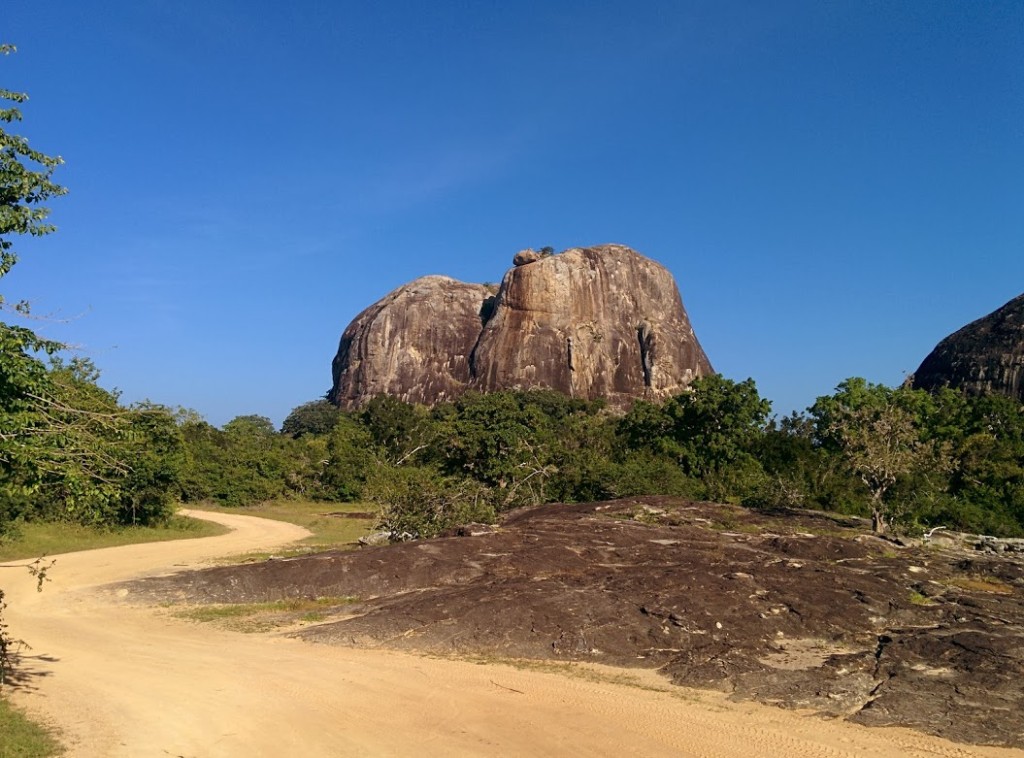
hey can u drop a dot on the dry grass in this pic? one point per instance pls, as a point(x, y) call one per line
point(332, 527)
point(981, 584)
point(265, 617)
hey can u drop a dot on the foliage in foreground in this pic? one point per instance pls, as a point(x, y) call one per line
point(23, 738)
point(68, 450)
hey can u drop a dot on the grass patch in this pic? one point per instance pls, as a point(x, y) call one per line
point(734, 525)
point(916, 598)
point(22, 738)
point(332, 526)
point(264, 617)
point(32, 540)
point(978, 584)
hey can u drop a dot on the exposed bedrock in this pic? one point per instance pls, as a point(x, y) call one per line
point(414, 344)
point(985, 356)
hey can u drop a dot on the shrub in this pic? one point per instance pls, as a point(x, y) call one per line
point(419, 501)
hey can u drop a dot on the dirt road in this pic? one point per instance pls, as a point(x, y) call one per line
point(122, 680)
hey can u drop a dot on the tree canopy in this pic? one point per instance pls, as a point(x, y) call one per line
point(68, 449)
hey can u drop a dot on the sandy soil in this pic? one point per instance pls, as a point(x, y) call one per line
point(122, 680)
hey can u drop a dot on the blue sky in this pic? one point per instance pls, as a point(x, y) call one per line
point(835, 185)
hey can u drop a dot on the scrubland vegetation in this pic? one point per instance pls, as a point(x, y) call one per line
point(897, 455)
point(901, 456)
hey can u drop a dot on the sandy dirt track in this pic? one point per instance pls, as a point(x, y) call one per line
point(122, 680)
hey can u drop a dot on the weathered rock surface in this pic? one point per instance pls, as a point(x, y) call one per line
point(800, 609)
point(414, 344)
point(985, 356)
point(525, 256)
point(590, 322)
point(599, 322)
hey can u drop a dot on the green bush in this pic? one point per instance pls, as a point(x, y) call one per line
point(643, 473)
point(419, 501)
point(350, 457)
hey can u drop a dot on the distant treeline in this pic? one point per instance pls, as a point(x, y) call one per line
point(904, 457)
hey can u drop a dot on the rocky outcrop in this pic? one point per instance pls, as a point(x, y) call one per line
point(414, 344)
point(599, 322)
point(985, 356)
point(590, 322)
point(526, 256)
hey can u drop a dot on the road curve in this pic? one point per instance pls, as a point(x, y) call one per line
point(122, 680)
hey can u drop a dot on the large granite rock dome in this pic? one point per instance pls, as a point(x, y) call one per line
point(598, 322)
point(987, 355)
point(414, 344)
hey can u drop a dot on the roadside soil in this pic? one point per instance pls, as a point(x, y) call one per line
point(118, 677)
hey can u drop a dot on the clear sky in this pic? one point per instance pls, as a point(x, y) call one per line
point(835, 185)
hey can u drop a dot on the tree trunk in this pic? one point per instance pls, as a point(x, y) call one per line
point(879, 524)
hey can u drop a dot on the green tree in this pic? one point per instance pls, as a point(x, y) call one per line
point(254, 462)
point(802, 473)
point(790, 460)
point(643, 472)
point(203, 466)
point(351, 455)
point(88, 459)
point(248, 462)
point(419, 501)
point(156, 448)
point(985, 490)
point(65, 443)
point(582, 457)
point(506, 440)
point(710, 431)
point(316, 417)
point(94, 461)
point(879, 433)
point(401, 432)
point(26, 183)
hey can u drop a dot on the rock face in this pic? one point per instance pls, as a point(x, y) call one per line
point(414, 344)
point(985, 356)
point(590, 322)
point(599, 322)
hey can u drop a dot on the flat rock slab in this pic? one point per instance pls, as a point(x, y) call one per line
point(800, 609)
